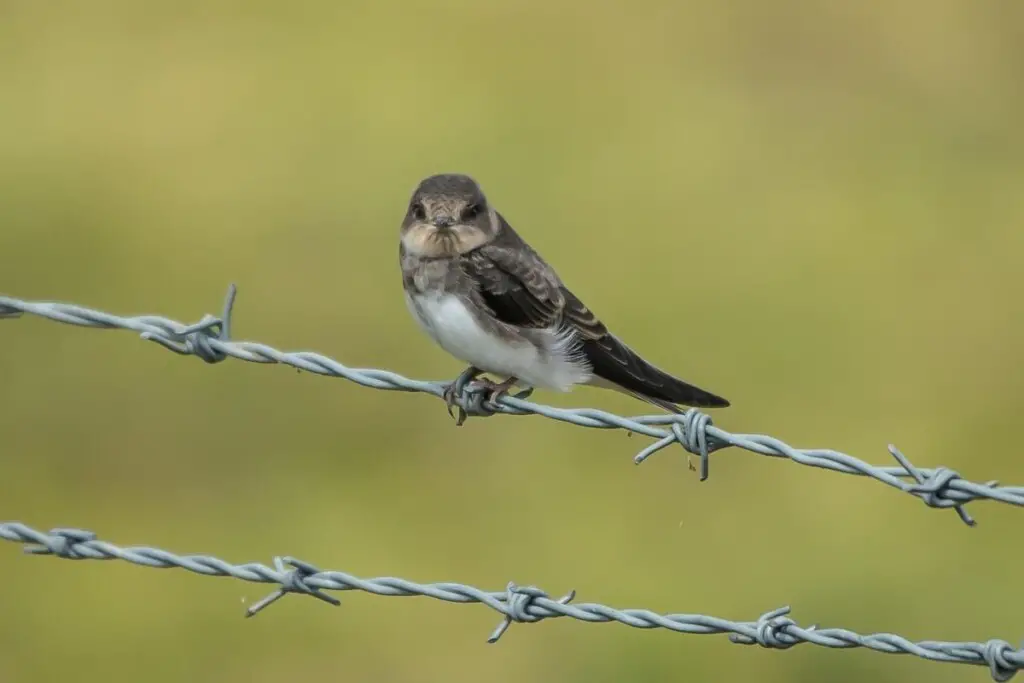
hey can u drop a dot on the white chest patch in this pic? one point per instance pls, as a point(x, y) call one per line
point(456, 330)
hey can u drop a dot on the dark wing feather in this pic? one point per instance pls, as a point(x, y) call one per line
point(522, 290)
point(615, 362)
point(515, 282)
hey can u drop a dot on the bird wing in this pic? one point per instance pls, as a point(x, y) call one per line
point(515, 283)
point(520, 289)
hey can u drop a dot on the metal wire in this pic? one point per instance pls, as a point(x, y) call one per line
point(209, 339)
point(516, 604)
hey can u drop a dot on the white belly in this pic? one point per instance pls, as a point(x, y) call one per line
point(455, 329)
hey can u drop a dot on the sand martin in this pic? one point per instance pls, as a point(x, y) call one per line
point(487, 298)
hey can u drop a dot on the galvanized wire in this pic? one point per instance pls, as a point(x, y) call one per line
point(209, 339)
point(516, 604)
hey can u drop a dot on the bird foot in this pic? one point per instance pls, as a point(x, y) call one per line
point(499, 389)
point(454, 390)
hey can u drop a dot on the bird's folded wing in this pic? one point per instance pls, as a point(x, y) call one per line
point(516, 284)
point(522, 290)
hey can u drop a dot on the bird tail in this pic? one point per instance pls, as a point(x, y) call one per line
point(687, 395)
point(618, 365)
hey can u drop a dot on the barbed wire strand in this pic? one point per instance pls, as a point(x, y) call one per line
point(517, 604)
point(209, 339)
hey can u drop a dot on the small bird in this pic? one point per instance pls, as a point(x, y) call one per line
point(487, 298)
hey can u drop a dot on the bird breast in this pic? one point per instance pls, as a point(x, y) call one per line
point(460, 331)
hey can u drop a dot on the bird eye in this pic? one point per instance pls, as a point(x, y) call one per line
point(471, 212)
point(418, 212)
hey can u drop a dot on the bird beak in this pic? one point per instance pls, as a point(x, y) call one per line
point(443, 222)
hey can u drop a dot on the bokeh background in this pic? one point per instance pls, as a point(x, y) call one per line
point(816, 211)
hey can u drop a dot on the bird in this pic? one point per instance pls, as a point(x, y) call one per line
point(486, 297)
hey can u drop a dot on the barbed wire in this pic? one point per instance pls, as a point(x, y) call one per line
point(209, 339)
point(517, 604)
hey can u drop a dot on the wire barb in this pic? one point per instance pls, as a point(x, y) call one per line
point(210, 339)
point(292, 581)
point(932, 487)
point(770, 631)
point(692, 435)
point(518, 601)
point(194, 340)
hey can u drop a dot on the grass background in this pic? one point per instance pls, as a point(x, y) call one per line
point(812, 209)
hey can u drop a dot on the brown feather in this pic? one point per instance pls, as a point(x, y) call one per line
point(521, 289)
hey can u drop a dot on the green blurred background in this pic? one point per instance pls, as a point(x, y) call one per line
point(816, 211)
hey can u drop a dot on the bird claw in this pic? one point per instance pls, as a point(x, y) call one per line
point(453, 392)
point(451, 400)
point(497, 390)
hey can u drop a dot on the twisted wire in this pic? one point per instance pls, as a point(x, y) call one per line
point(209, 339)
point(516, 604)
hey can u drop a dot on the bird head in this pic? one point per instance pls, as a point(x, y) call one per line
point(448, 215)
